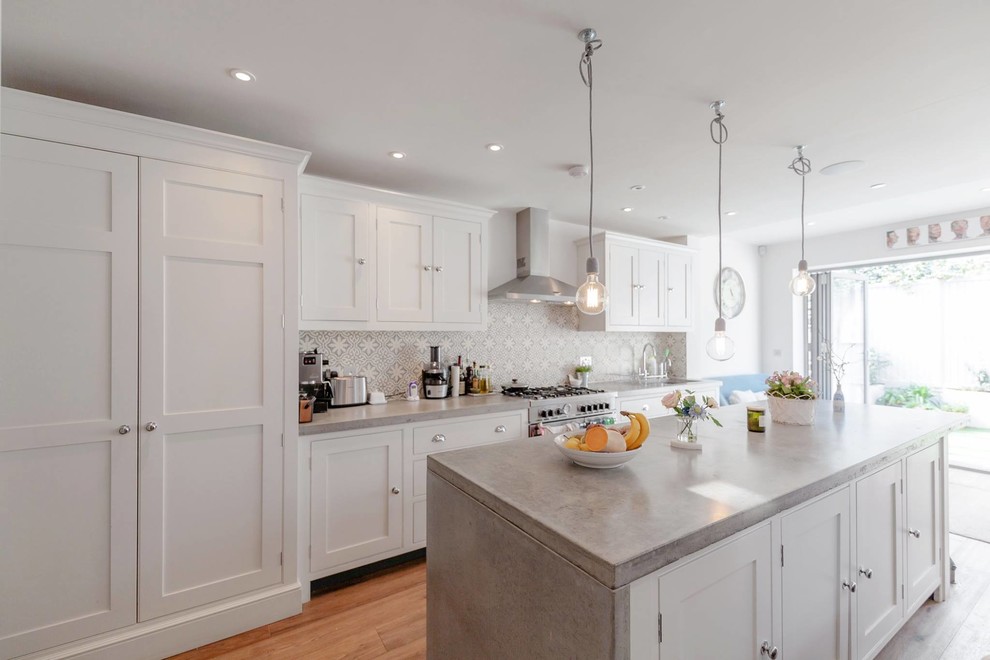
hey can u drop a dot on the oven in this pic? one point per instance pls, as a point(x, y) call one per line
point(555, 410)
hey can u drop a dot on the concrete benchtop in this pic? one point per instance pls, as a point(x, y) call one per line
point(400, 411)
point(641, 386)
point(621, 524)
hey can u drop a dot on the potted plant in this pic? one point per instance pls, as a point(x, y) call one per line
point(690, 411)
point(582, 372)
point(791, 397)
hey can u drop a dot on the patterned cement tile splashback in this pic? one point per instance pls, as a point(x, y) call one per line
point(537, 344)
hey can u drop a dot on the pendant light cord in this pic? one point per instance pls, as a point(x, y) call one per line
point(584, 67)
point(723, 135)
point(801, 167)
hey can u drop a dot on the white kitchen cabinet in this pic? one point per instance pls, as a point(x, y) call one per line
point(356, 503)
point(336, 259)
point(717, 605)
point(879, 548)
point(375, 260)
point(122, 272)
point(68, 475)
point(211, 384)
point(815, 563)
point(922, 512)
point(648, 284)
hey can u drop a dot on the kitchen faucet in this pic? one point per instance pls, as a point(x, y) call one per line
point(647, 370)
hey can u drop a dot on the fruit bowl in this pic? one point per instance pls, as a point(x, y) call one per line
point(593, 459)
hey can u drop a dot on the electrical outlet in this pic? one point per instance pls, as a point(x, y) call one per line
point(584, 361)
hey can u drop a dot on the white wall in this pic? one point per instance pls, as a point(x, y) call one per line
point(781, 339)
point(744, 330)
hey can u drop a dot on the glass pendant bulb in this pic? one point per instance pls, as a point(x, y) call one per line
point(802, 284)
point(720, 347)
point(592, 296)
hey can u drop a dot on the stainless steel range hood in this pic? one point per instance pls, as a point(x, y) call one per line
point(533, 281)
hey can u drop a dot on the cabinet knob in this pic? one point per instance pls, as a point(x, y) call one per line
point(868, 572)
point(124, 429)
point(439, 437)
point(395, 490)
point(646, 407)
point(427, 268)
point(670, 288)
point(439, 269)
point(151, 426)
point(769, 651)
point(500, 428)
point(851, 586)
point(362, 261)
point(916, 533)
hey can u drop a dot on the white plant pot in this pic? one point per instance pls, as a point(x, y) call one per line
point(792, 411)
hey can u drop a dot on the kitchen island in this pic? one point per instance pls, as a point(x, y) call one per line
point(533, 556)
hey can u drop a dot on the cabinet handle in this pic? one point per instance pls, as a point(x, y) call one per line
point(151, 426)
point(439, 437)
point(124, 429)
point(916, 533)
point(427, 267)
point(500, 428)
point(769, 651)
point(646, 407)
point(395, 490)
point(670, 288)
point(362, 261)
point(439, 269)
point(851, 586)
point(868, 572)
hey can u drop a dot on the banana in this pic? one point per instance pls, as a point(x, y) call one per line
point(632, 436)
point(644, 430)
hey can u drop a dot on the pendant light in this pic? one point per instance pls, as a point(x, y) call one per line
point(591, 296)
point(720, 347)
point(802, 284)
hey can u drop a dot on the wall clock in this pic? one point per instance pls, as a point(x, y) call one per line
point(733, 292)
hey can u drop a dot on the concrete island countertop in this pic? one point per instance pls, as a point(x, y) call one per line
point(619, 525)
point(400, 411)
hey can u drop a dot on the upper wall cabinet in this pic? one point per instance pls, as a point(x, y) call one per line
point(372, 259)
point(648, 283)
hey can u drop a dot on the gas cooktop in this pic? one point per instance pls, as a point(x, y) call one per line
point(552, 392)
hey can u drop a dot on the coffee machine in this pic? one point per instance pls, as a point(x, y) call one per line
point(312, 366)
point(435, 383)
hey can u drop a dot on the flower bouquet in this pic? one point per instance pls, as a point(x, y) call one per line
point(690, 410)
point(791, 397)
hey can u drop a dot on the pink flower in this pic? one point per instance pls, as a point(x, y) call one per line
point(671, 399)
point(711, 403)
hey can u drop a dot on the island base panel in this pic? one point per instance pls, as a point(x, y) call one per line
point(495, 592)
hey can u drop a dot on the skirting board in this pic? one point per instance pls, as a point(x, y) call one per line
point(174, 634)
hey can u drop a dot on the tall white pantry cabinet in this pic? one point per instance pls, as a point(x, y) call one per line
point(147, 372)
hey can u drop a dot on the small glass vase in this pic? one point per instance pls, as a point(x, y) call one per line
point(688, 429)
point(838, 400)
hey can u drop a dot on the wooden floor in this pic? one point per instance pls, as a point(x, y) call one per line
point(385, 617)
point(382, 617)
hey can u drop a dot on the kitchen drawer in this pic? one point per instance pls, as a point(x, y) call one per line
point(467, 432)
point(648, 405)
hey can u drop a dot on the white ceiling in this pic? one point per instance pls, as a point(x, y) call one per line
point(901, 84)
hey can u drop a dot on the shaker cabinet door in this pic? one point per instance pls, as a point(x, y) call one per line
point(922, 542)
point(68, 393)
point(458, 293)
point(335, 259)
point(679, 312)
point(211, 386)
point(622, 284)
point(652, 288)
point(405, 266)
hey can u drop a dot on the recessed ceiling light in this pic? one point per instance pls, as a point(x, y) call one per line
point(987, 189)
point(661, 217)
point(877, 186)
point(638, 186)
point(844, 167)
point(398, 155)
point(627, 209)
point(242, 75)
point(494, 147)
point(730, 213)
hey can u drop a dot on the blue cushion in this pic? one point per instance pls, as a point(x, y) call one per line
point(754, 382)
